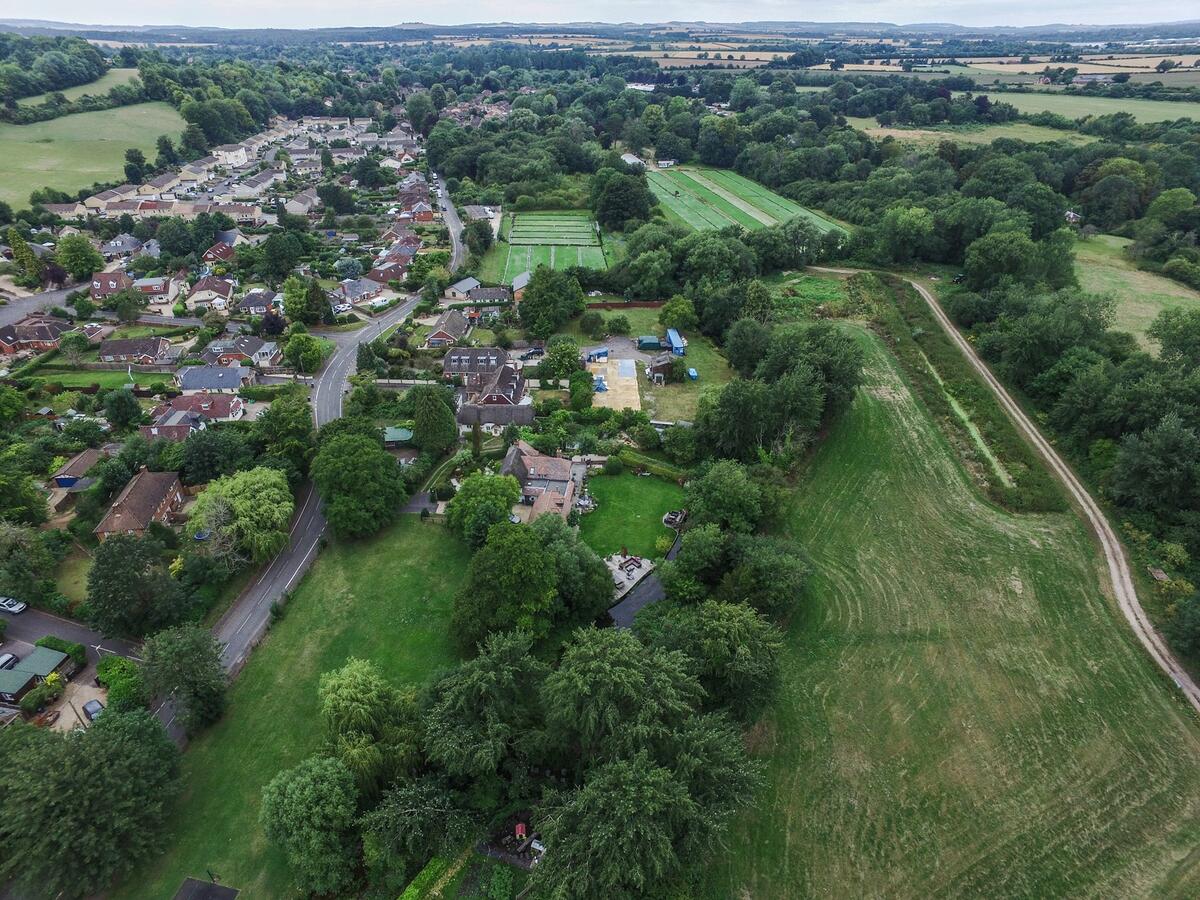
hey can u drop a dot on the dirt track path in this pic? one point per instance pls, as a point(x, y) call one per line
point(1114, 553)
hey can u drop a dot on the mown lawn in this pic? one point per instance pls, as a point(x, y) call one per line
point(73, 152)
point(74, 378)
point(387, 599)
point(963, 711)
point(629, 514)
point(1102, 268)
point(71, 577)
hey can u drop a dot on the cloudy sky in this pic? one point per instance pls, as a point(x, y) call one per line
point(312, 13)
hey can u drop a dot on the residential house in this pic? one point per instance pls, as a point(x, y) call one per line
point(357, 290)
point(33, 333)
point(489, 295)
point(306, 168)
point(121, 245)
point(162, 289)
point(140, 350)
point(219, 253)
point(210, 292)
point(212, 407)
point(258, 301)
point(231, 155)
point(214, 379)
point(76, 210)
point(473, 366)
point(69, 473)
point(387, 272)
point(245, 349)
point(303, 203)
point(173, 425)
point(422, 212)
point(163, 184)
point(148, 497)
point(106, 283)
point(546, 482)
point(477, 213)
point(450, 328)
point(460, 289)
point(152, 248)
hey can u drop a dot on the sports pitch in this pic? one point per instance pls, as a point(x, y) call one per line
point(718, 198)
point(555, 239)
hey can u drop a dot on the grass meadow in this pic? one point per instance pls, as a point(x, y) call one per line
point(969, 134)
point(102, 85)
point(386, 599)
point(963, 711)
point(76, 151)
point(1077, 105)
point(1102, 268)
point(716, 198)
point(629, 513)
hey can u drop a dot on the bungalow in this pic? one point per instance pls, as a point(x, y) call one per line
point(219, 253)
point(14, 685)
point(489, 295)
point(258, 301)
point(214, 379)
point(33, 333)
point(142, 350)
point(210, 292)
point(546, 482)
point(121, 245)
point(157, 290)
point(245, 349)
point(450, 328)
point(357, 290)
point(148, 497)
point(519, 284)
point(387, 272)
point(460, 289)
point(212, 407)
point(107, 283)
point(76, 467)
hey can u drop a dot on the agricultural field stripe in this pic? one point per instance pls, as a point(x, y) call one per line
point(733, 199)
point(687, 206)
point(710, 199)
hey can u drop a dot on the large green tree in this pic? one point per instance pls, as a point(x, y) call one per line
point(251, 509)
point(130, 591)
point(360, 483)
point(482, 500)
point(185, 662)
point(76, 254)
point(82, 808)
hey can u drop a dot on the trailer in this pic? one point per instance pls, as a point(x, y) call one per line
point(677, 344)
point(649, 342)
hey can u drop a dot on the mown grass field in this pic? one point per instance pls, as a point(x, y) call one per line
point(100, 86)
point(1076, 106)
point(629, 514)
point(1102, 268)
point(963, 711)
point(75, 378)
point(74, 152)
point(386, 599)
point(716, 198)
point(555, 239)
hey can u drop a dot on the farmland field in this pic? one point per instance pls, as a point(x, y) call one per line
point(962, 711)
point(74, 152)
point(386, 599)
point(1075, 106)
point(716, 198)
point(976, 134)
point(1102, 268)
point(99, 87)
point(555, 239)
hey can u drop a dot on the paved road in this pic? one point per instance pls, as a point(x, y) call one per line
point(20, 307)
point(1114, 553)
point(458, 253)
point(246, 621)
point(35, 623)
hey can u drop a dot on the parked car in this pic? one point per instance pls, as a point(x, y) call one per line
point(92, 710)
point(7, 660)
point(533, 353)
point(9, 605)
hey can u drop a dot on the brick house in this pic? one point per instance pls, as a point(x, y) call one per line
point(450, 328)
point(143, 350)
point(148, 497)
point(33, 333)
point(107, 283)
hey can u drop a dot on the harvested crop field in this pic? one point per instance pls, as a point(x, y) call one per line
point(963, 711)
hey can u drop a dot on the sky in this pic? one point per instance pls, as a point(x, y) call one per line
point(317, 13)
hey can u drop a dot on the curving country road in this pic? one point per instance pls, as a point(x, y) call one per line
point(454, 225)
point(1114, 553)
point(245, 622)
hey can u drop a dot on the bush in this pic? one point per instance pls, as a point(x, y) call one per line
point(46, 692)
point(613, 466)
point(123, 678)
point(77, 652)
point(500, 885)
